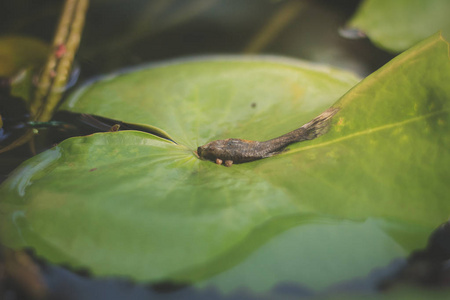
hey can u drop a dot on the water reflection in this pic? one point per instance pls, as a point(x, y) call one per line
point(61, 283)
point(351, 33)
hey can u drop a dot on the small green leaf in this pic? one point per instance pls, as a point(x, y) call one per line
point(19, 57)
point(132, 204)
point(19, 53)
point(400, 24)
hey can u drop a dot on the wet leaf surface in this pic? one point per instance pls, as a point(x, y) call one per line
point(131, 204)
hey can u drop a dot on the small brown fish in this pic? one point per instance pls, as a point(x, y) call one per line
point(239, 151)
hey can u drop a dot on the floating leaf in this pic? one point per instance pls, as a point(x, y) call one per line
point(132, 204)
point(398, 25)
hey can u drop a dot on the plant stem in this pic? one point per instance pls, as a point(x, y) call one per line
point(59, 63)
point(287, 13)
point(56, 73)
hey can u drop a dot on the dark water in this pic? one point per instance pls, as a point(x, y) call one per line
point(427, 268)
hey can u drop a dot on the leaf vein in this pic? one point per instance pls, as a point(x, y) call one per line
point(366, 132)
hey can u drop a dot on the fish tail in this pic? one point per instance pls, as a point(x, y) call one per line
point(319, 125)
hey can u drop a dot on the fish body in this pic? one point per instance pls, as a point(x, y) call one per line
point(240, 151)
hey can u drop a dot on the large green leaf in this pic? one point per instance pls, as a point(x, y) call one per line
point(398, 25)
point(201, 100)
point(129, 203)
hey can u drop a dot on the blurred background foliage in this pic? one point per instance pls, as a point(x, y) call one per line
point(122, 33)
